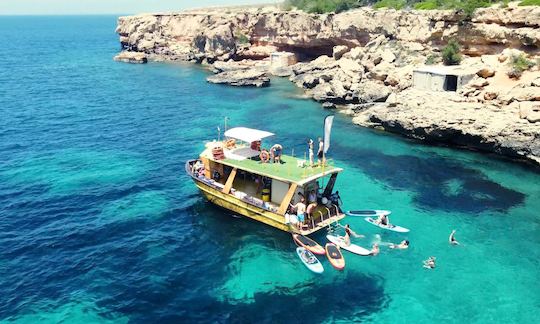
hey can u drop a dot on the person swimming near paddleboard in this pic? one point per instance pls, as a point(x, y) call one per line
point(375, 249)
point(429, 263)
point(383, 220)
point(401, 246)
point(452, 239)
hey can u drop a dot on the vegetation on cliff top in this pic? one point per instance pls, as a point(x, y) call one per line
point(467, 6)
point(450, 54)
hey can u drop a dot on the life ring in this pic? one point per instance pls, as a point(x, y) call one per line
point(230, 143)
point(265, 156)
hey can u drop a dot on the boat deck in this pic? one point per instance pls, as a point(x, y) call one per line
point(288, 170)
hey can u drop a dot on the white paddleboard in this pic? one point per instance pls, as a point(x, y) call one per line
point(365, 213)
point(390, 227)
point(309, 259)
point(356, 249)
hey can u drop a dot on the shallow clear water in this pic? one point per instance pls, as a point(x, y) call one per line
point(98, 222)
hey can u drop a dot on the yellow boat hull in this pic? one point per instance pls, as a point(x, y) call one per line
point(241, 207)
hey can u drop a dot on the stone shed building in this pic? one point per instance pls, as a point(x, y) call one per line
point(441, 78)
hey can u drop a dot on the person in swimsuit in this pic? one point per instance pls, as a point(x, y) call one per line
point(401, 246)
point(375, 249)
point(348, 233)
point(300, 208)
point(320, 152)
point(310, 149)
point(430, 263)
point(383, 220)
point(275, 152)
point(452, 239)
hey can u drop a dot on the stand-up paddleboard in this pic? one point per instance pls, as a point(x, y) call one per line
point(390, 227)
point(356, 249)
point(334, 256)
point(365, 213)
point(308, 243)
point(309, 260)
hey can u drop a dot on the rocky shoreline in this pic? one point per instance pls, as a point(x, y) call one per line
point(362, 63)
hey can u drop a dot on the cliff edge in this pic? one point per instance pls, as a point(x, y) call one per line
point(365, 62)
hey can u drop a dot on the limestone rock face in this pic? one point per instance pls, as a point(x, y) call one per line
point(241, 78)
point(442, 117)
point(131, 57)
point(218, 34)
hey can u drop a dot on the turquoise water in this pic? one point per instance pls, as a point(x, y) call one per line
point(98, 223)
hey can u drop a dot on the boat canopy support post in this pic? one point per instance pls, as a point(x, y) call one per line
point(229, 183)
point(330, 185)
point(287, 199)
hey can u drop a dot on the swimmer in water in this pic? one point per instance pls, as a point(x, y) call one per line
point(401, 246)
point(430, 263)
point(452, 239)
point(375, 249)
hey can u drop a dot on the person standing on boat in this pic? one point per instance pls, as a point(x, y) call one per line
point(310, 149)
point(300, 208)
point(275, 152)
point(320, 154)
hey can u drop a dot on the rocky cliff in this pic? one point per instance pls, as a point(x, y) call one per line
point(357, 58)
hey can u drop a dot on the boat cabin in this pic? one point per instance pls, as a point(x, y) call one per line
point(239, 174)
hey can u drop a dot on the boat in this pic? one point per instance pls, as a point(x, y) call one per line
point(309, 260)
point(353, 248)
point(235, 173)
point(334, 256)
point(308, 244)
point(369, 212)
point(390, 227)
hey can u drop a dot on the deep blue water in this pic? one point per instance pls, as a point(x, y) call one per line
point(98, 222)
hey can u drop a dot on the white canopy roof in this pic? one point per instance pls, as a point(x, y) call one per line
point(247, 134)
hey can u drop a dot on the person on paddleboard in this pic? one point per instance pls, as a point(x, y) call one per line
point(383, 220)
point(401, 246)
point(348, 233)
point(452, 239)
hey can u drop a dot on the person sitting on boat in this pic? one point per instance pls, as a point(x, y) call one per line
point(275, 152)
point(198, 168)
point(383, 220)
point(401, 246)
point(336, 199)
point(452, 239)
point(300, 208)
point(429, 263)
point(375, 249)
point(264, 155)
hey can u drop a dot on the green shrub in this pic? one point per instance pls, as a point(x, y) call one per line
point(391, 4)
point(450, 54)
point(431, 59)
point(322, 6)
point(241, 38)
point(530, 3)
point(518, 64)
point(427, 5)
